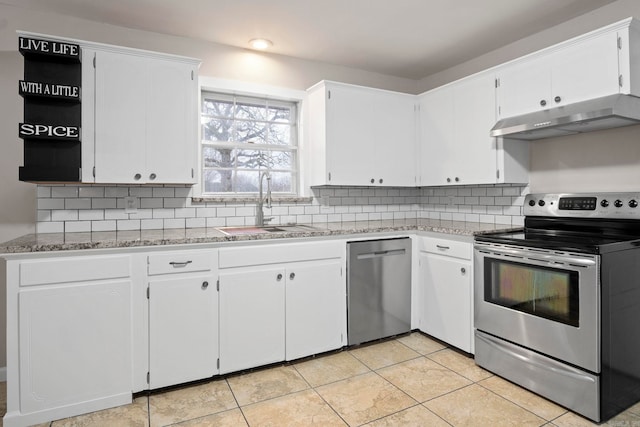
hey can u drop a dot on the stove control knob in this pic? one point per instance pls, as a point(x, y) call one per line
point(618, 203)
point(633, 203)
point(604, 203)
point(541, 203)
point(532, 202)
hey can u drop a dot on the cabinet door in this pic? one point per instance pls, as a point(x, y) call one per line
point(394, 118)
point(436, 136)
point(350, 135)
point(183, 329)
point(120, 114)
point(75, 343)
point(585, 70)
point(171, 122)
point(473, 160)
point(315, 308)
point(252, 328)
point(524, 87)
point(446, 299)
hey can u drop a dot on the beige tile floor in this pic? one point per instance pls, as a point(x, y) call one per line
point(409, 381)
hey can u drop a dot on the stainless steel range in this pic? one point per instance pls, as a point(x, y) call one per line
point(557, 305)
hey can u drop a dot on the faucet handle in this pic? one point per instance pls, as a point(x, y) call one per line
point(267, 219)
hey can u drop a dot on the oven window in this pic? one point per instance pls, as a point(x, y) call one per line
point(545, 292)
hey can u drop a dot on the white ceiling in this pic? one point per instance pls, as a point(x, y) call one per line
point(404, 38)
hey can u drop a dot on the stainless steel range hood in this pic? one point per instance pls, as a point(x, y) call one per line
point(596, 114)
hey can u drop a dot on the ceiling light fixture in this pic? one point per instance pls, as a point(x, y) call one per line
point(260, 44)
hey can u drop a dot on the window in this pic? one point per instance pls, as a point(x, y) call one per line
point(243, 137)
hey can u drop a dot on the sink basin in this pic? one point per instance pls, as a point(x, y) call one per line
point(267, 229)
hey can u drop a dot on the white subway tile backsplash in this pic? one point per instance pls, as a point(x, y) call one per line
point(109, 225)
point(105, 203)
point(50, 227)
point(101, 208)
point(43, 192)
point(77, 226)
point(151, 202)
point(64, 192)
point(91, 215)
point(64, 215)
point(91, 192)
point(50, 203)
point(116, 192)
point(128, 224)
point(151, 224)
point(77, 203)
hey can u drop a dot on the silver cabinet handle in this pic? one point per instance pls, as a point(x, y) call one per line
point(292, 276)
point(543, 102)
point(381, 180)
point(373, 180)
point(205, 285)
point(457, 179)
point(444, 248)
point(137, 176)
point(448, 179)
point(182, 264)
point(279, 277)
point(152, 176)
point(557, 99)
point(463, 270)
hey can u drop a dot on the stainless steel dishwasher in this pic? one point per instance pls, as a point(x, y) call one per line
point(378, 289)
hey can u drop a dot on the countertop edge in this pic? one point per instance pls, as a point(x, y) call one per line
point(58, 242)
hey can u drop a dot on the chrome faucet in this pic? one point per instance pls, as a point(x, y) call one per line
point(262, 199)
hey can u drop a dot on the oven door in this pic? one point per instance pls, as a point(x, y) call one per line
point(546, 301)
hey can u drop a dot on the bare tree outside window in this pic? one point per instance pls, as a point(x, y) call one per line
point(242, 137)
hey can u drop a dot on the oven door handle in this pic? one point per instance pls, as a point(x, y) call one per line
point(538, 256)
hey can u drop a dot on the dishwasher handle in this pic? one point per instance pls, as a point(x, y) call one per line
point(380, 254)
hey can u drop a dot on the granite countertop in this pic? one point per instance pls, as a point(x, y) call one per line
point(124, 239)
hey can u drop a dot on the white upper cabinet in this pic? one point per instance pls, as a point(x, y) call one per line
point(140, 117)
point(455, 146)
point(587, 67)
point(361, 136)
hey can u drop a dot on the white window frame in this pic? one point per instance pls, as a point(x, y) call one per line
point(238, 88)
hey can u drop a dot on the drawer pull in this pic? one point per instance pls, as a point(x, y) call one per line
point(177, 264)
point(445, 248)
point(205, 285)
point(292, 276)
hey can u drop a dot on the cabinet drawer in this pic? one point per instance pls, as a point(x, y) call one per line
point(279, 253)
point(76, 269)
point(180, 262)
point(446, 247)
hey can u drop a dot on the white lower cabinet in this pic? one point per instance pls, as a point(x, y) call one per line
point(183, 316)
point(69, 336)
point(315, 308)
point(183, 330)
point(446, 291)
point(273, 311)
point(251, 318)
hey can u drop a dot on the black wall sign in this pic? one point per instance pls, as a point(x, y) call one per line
point(51, 90)
point(51, 128)
point(49, 47)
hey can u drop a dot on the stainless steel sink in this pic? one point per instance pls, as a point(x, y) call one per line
point(267, 229)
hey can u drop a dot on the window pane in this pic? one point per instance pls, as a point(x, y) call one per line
point(279, 134)
point(280, 114)
point(251, 132)
point(214, 157)
point(247, 182)
point(236, 132)
point(281, 182)
point(217, 129)
point(256, 110)
point(218, 181)
point(217, 108)
point(281, 160)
